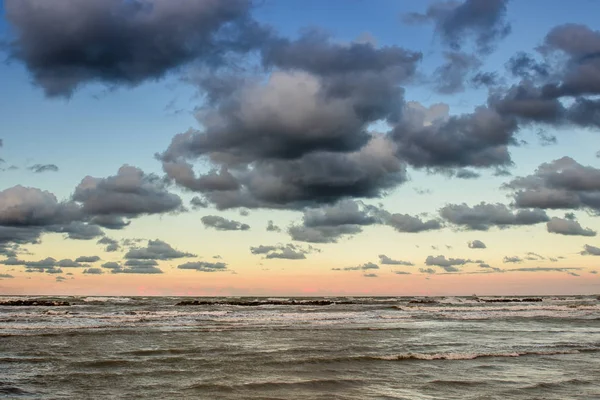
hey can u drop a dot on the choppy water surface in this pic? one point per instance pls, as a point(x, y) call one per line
point(380, 348)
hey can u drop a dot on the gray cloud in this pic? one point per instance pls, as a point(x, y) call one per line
point(117, 268)
point(568, 227)
point(512, 260)
point(484, 216)
point(410, 224)
point(141, 263)
point(542, 269)
point(429, 271)
point(363, 267)
point(202, 266)
point(451, 77)
point(487, 266)
point(130, 193)
point(590, 250)
point(111, 244)
point(271, 227)
point(223, 224)
point(114, 222)
point(483, 21)
point(87, 259)
point(477, 244)
point(93, 271)
point(132, 41)
point(383, 259)
point(6, 276)
point(40, 168)
point(371, 275)
point(560, 184)
point(198, 202)
point(156, 250)
point(288, 251)
point(448, 264)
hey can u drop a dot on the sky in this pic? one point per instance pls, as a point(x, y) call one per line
point(299, 147)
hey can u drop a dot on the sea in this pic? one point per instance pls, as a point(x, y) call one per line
point(301, 348)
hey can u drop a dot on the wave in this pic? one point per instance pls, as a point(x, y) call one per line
point(317, 384)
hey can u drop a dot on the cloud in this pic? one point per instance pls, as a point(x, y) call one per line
point(452, 75)
point(132, 41)
point(363, 267)
point(139, 268)
point(401, 273)
point(223, 224)
point(477, 244)
point(542, 269)
point(568, 227)
point(487, 266)
point(370, 275)
point(289, 251)
point(202, 266)
point(485, 215)
point(87, 259)
point(141, 263)
point(271, 227)
point(114, 222)
point(40, 168)
point(111, 244)
point(590, 250)
point(156, 250)
point(93, 271)
point(559, 184)
point(383, 259)
point(6, 276)
point(512, 260)
point(429, 271)
point(302, 137)
point(68, 263)
point(130, 193)
point(448, 264)
point(410, 224)
point(483, 21)
point(198, 202)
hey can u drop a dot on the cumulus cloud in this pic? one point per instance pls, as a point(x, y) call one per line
point(112, 245)
point(448, 264)
point(483, 21)
point(560, 184)
point(132, 41)
point(223, 224)
point(93, 271)
point(383, 259)
point(87, 259)
point(40, 168)
point(429, 271)
point(512, 259)
point(590, 250)
point(477, 244)
point(409, 223)
point(156, 250)
point(288, 251)
point(202, 266)
point(130, 193)
point(271, 227)
point(568, 227)
point(363, 267)
point(139, 268)
point(483, 216)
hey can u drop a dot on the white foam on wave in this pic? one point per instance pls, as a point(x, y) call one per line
point(467, 356)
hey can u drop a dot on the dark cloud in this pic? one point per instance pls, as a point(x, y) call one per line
point(111, 244)
point(464, 173)
point(198, 202)
point(124, 42)
point(156, 250)
point(117, 268)
point(410, 224)
point(40, 168)
point(202, 266)
point(484, 216)
point(93, 271)
point(477, 244)
point(78, 230)
point(114, 222)
point(301, 138)
point(370, 275)
point(589, 250)
point(429, 271)
point(141, 263)
point(560, 184)
point(223, 224)
point(130, 193)
point(289, 251)
point(568, 227)
point(452, 76)
point(448, 264)
point(513, 259)
point(489, 267)
point(401, 273)
point(483, 21)
point(383, 259)
point(68, 263)
point(479, 139)
point(87, 259)
point(271, 227)
point(362, 267)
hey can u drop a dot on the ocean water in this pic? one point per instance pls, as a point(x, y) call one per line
point(363, 348)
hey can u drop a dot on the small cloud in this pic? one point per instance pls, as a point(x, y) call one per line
point(590, 250)
point(383, 259)
point(513, 260)
point(202, 266)
point(370, 275)
point(271, 227)
point(93, 271)
point(40, 168)
point(477, 244)
point(223, 224)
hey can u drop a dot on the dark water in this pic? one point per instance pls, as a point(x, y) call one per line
point(378, 348)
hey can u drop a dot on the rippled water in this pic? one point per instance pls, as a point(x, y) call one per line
point(380, 348)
